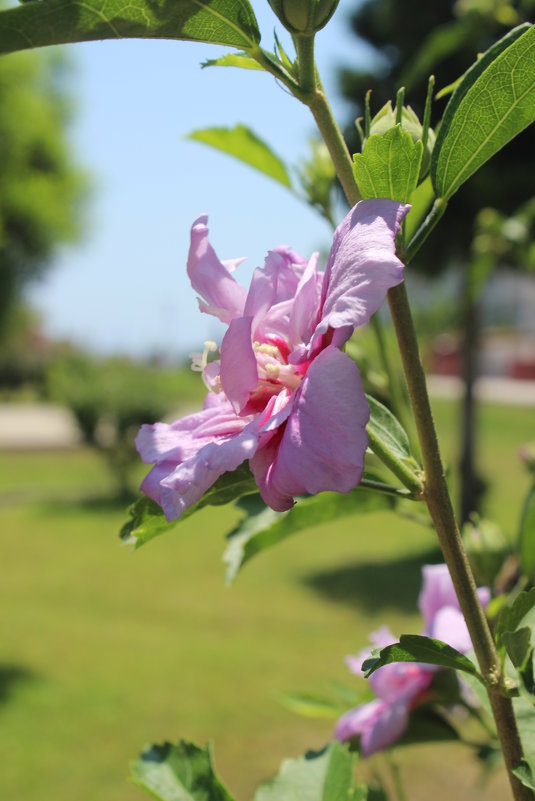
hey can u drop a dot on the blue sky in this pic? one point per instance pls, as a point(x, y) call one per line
point(124, 287)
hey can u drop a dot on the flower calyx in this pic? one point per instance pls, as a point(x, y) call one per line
point(304, 17)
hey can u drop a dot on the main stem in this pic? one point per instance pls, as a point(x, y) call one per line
point(436, 491)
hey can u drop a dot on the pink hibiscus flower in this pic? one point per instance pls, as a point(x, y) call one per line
point(401, 686)
point(283, 394)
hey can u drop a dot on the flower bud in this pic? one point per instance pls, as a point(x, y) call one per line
point(304, 16)
point(386, 119)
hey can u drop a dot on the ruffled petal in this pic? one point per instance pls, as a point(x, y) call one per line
point(362, 266)
point(323, 443)
point(305, 308)
point(189, 480)
point(222, 295)
point(378, 725)
point(239, 372)
point(177, 441)
point(388, 727)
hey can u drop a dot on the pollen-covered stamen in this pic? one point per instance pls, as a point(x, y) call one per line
point(273, 367)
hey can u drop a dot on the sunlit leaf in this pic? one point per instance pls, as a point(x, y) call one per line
point(148, 521)
point(493, 103)
point(50, 22)
point(318, 776)
point(182, 772)
point(389, 165)
point(262, 527)
point(241, 60)
point(244, 145)
point(388, 429)
point(416, 648)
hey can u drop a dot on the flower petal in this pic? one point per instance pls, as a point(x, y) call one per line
point(378, 725)
point(223, 296)
point(190, 479)
point(181, 439)
point(437, 591)
point(323, 443)
point(362, 266)
point(449, 626)
point(305, 308)
point(239, 372)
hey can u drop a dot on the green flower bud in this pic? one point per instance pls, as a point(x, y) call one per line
point(304, 16)
point(386, 119)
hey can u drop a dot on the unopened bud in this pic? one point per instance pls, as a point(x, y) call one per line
point(304, 16)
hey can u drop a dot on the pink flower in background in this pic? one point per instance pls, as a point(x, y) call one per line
point(401, 686)
point(282, 394)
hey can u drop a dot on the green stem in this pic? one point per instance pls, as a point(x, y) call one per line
point(304, 46)
point(436, 490)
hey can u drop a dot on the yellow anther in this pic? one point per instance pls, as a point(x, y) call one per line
point(269, 350)
point(272, 370)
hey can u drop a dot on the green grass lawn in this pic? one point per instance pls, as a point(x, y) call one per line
point(103, 650)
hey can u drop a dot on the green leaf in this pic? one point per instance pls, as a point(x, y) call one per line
point(148, 521)
point(241, 143)
point(525, 774)
point(389, 165)
point(518, 645)
point(241, 60)
point(526, 535)
point(416, 648)
point(426, 725)
point(318, 776)
point(511, 616)
point(525, 718)
point(388, 429)
point(492, 104)
point(309, 705)
point(182, 772)
point(51, 22)
point(262, 527)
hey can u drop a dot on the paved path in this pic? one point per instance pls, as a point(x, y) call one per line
point(43, 426)
point(37, 426)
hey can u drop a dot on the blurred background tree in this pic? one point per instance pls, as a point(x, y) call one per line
point(41, 187)
point(408, 42)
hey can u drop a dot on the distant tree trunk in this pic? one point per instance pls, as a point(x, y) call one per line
point(471, 484)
